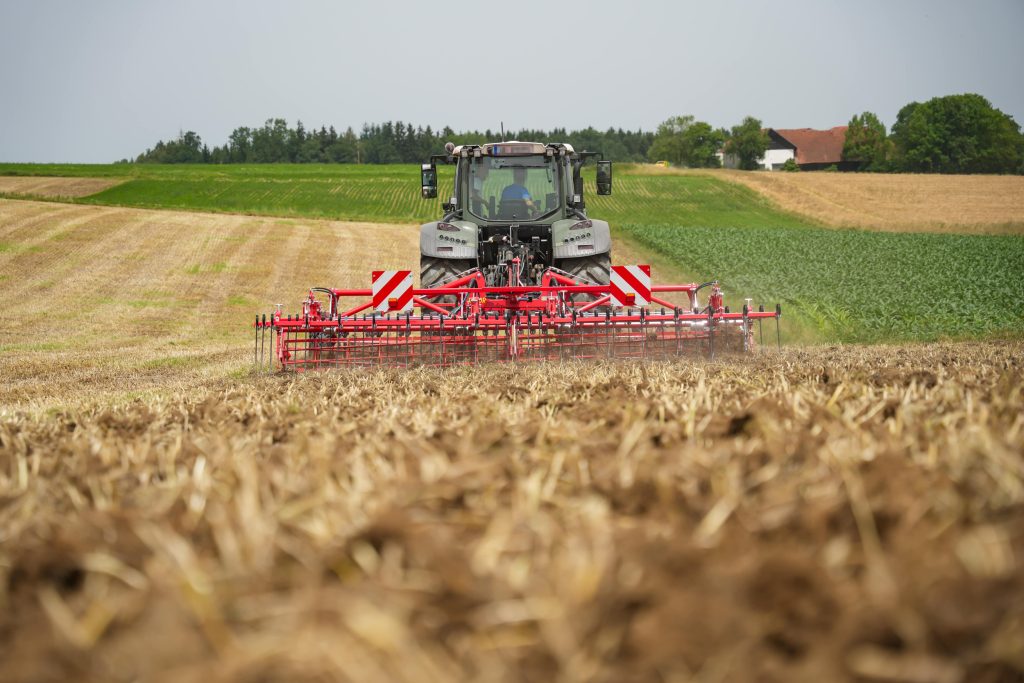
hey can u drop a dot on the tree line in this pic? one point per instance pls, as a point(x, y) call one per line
point(952, 134)
point(387, 143)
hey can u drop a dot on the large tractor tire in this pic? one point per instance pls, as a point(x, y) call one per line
point(434, 271)
point(589, 269)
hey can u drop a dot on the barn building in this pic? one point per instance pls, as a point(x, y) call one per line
point(812, 149)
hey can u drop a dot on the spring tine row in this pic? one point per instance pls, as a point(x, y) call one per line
point(433, 341)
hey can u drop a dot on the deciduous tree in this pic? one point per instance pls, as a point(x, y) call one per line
point(957, 134)
point(867, 143)
point(683, 141)
point(748, 142)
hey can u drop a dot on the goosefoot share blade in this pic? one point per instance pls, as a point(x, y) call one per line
point(464, 321)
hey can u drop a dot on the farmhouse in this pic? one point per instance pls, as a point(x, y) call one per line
point(813, 150)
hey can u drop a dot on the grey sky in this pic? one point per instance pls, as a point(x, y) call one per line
point(97, 81)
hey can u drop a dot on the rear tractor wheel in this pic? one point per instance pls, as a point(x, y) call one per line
point(436, 271)
point(589, 270)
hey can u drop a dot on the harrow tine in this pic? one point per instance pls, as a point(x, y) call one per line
point(269, 360)
point(778, 330)
point(747, 327)
point(711, 333)
point(760, 330)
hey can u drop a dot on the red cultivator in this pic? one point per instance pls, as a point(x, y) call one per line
point(464, 321)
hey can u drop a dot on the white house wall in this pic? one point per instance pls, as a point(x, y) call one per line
point(773, 159)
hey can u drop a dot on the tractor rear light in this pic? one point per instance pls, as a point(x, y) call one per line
point(585, 247)
point(444, 248)
point(447, 227)
point(582, 224)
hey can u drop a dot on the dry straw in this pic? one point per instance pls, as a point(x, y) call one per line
point(829, 514)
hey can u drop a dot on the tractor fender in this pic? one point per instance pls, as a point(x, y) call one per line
point(586, 240)
point(447, 243)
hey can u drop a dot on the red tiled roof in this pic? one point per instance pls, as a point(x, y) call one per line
point(816, 146)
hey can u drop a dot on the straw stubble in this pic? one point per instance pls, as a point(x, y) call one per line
point(827, 514)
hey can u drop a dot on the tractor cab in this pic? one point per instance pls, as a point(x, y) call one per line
point(515, 181)
point(520, 201)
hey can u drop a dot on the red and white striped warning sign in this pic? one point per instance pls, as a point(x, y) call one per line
point(392, 290)
point(630, 285)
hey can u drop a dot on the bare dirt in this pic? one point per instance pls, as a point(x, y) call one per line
point(41, 186)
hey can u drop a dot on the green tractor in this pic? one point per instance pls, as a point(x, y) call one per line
point(515, 200)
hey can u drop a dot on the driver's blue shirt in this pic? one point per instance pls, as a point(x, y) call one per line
point(515, 191)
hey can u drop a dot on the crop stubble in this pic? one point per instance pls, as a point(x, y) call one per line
point(100, 298)
point(830, 514)
point(54, 187)
point(896, 202)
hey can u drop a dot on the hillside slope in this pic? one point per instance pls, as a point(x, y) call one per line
point(390, 193)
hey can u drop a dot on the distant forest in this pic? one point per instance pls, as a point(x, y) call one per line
point(950, 134)
point(386, 143)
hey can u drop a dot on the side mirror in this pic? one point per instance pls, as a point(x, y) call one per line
point(428, 181)
point(604, 177)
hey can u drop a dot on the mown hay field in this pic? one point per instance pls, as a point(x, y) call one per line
point(839, 514)
point(63, 188)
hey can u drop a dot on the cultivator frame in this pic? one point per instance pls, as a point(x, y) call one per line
point(465, 322)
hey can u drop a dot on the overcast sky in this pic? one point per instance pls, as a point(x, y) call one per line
point(100, 80)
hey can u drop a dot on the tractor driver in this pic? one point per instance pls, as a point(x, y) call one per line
point(517, 190)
